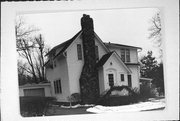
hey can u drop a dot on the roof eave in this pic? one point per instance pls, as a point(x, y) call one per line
point(121, 45)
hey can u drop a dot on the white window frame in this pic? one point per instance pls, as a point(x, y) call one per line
point(57, 86)
point(123, 77)
point(126, 53)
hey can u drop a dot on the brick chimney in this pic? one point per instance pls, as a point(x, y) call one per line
point(89, 84)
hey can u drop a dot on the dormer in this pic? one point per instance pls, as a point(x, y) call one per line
point(128, 54)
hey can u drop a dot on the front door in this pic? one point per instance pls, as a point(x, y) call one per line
point(111, 79)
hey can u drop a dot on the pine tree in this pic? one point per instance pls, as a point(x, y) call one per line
point(149, 65)
point(151, 69)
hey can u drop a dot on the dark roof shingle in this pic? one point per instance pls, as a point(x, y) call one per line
point(64, 45)
point(103, 60)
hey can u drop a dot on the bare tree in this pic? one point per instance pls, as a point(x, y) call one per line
point(41, 50)
point(25, 50)
point(155, 31)
point(31, 49)
point(22, 30)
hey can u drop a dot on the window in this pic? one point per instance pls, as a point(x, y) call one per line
point(129, 81)
point(57, 87)
point(111, 80)
point(96, 53)
point(125, 55)
point(79, 52)
point(122, 77)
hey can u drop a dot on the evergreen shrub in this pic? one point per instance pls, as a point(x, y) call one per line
point(114, 100)
point(34, 106)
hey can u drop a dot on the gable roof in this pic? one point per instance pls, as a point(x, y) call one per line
point(104, 59)
point(101, 42)
point(64, 45)
point(67, 43)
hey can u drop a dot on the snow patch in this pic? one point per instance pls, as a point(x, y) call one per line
point(78, 106)
point(127, 108)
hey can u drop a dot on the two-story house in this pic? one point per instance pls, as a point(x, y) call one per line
point(116, 64)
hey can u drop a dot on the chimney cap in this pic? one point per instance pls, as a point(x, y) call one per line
point(85, 15)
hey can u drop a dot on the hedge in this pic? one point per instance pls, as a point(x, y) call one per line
point(34, 106)
point(114, 100)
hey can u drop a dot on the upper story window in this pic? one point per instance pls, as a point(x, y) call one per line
point(125, 55)
point(79, 52)
point(57, 87)
point(96, 52)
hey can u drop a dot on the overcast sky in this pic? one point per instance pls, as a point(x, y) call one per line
point(123, 26)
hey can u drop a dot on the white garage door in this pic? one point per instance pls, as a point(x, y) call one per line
point(34, 92)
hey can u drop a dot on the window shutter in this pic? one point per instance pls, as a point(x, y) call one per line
point(55, 87)
point(59, 83)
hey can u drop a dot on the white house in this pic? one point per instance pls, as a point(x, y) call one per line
point(117, 65)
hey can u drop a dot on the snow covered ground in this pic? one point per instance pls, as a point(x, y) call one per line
point(78, 106)
point(152, 104)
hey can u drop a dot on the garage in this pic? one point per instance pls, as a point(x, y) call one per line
point(40, 90)
point(34, 92)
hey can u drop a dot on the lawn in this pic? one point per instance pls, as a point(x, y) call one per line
point(153, 104)
point(56, 110)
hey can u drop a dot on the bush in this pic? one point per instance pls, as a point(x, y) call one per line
point(34, 106)
point(114, 100)
point(148, 92)
point(75, 97)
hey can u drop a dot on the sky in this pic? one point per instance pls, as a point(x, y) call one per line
point(122, 26)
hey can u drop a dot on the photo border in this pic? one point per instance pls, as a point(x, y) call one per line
point(9, 85)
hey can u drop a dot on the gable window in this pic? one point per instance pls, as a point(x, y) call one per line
point(57, 87)
point(125, 55)
point(96, 53)
point(111, 80)
point(79, 52)
point(122, 77)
